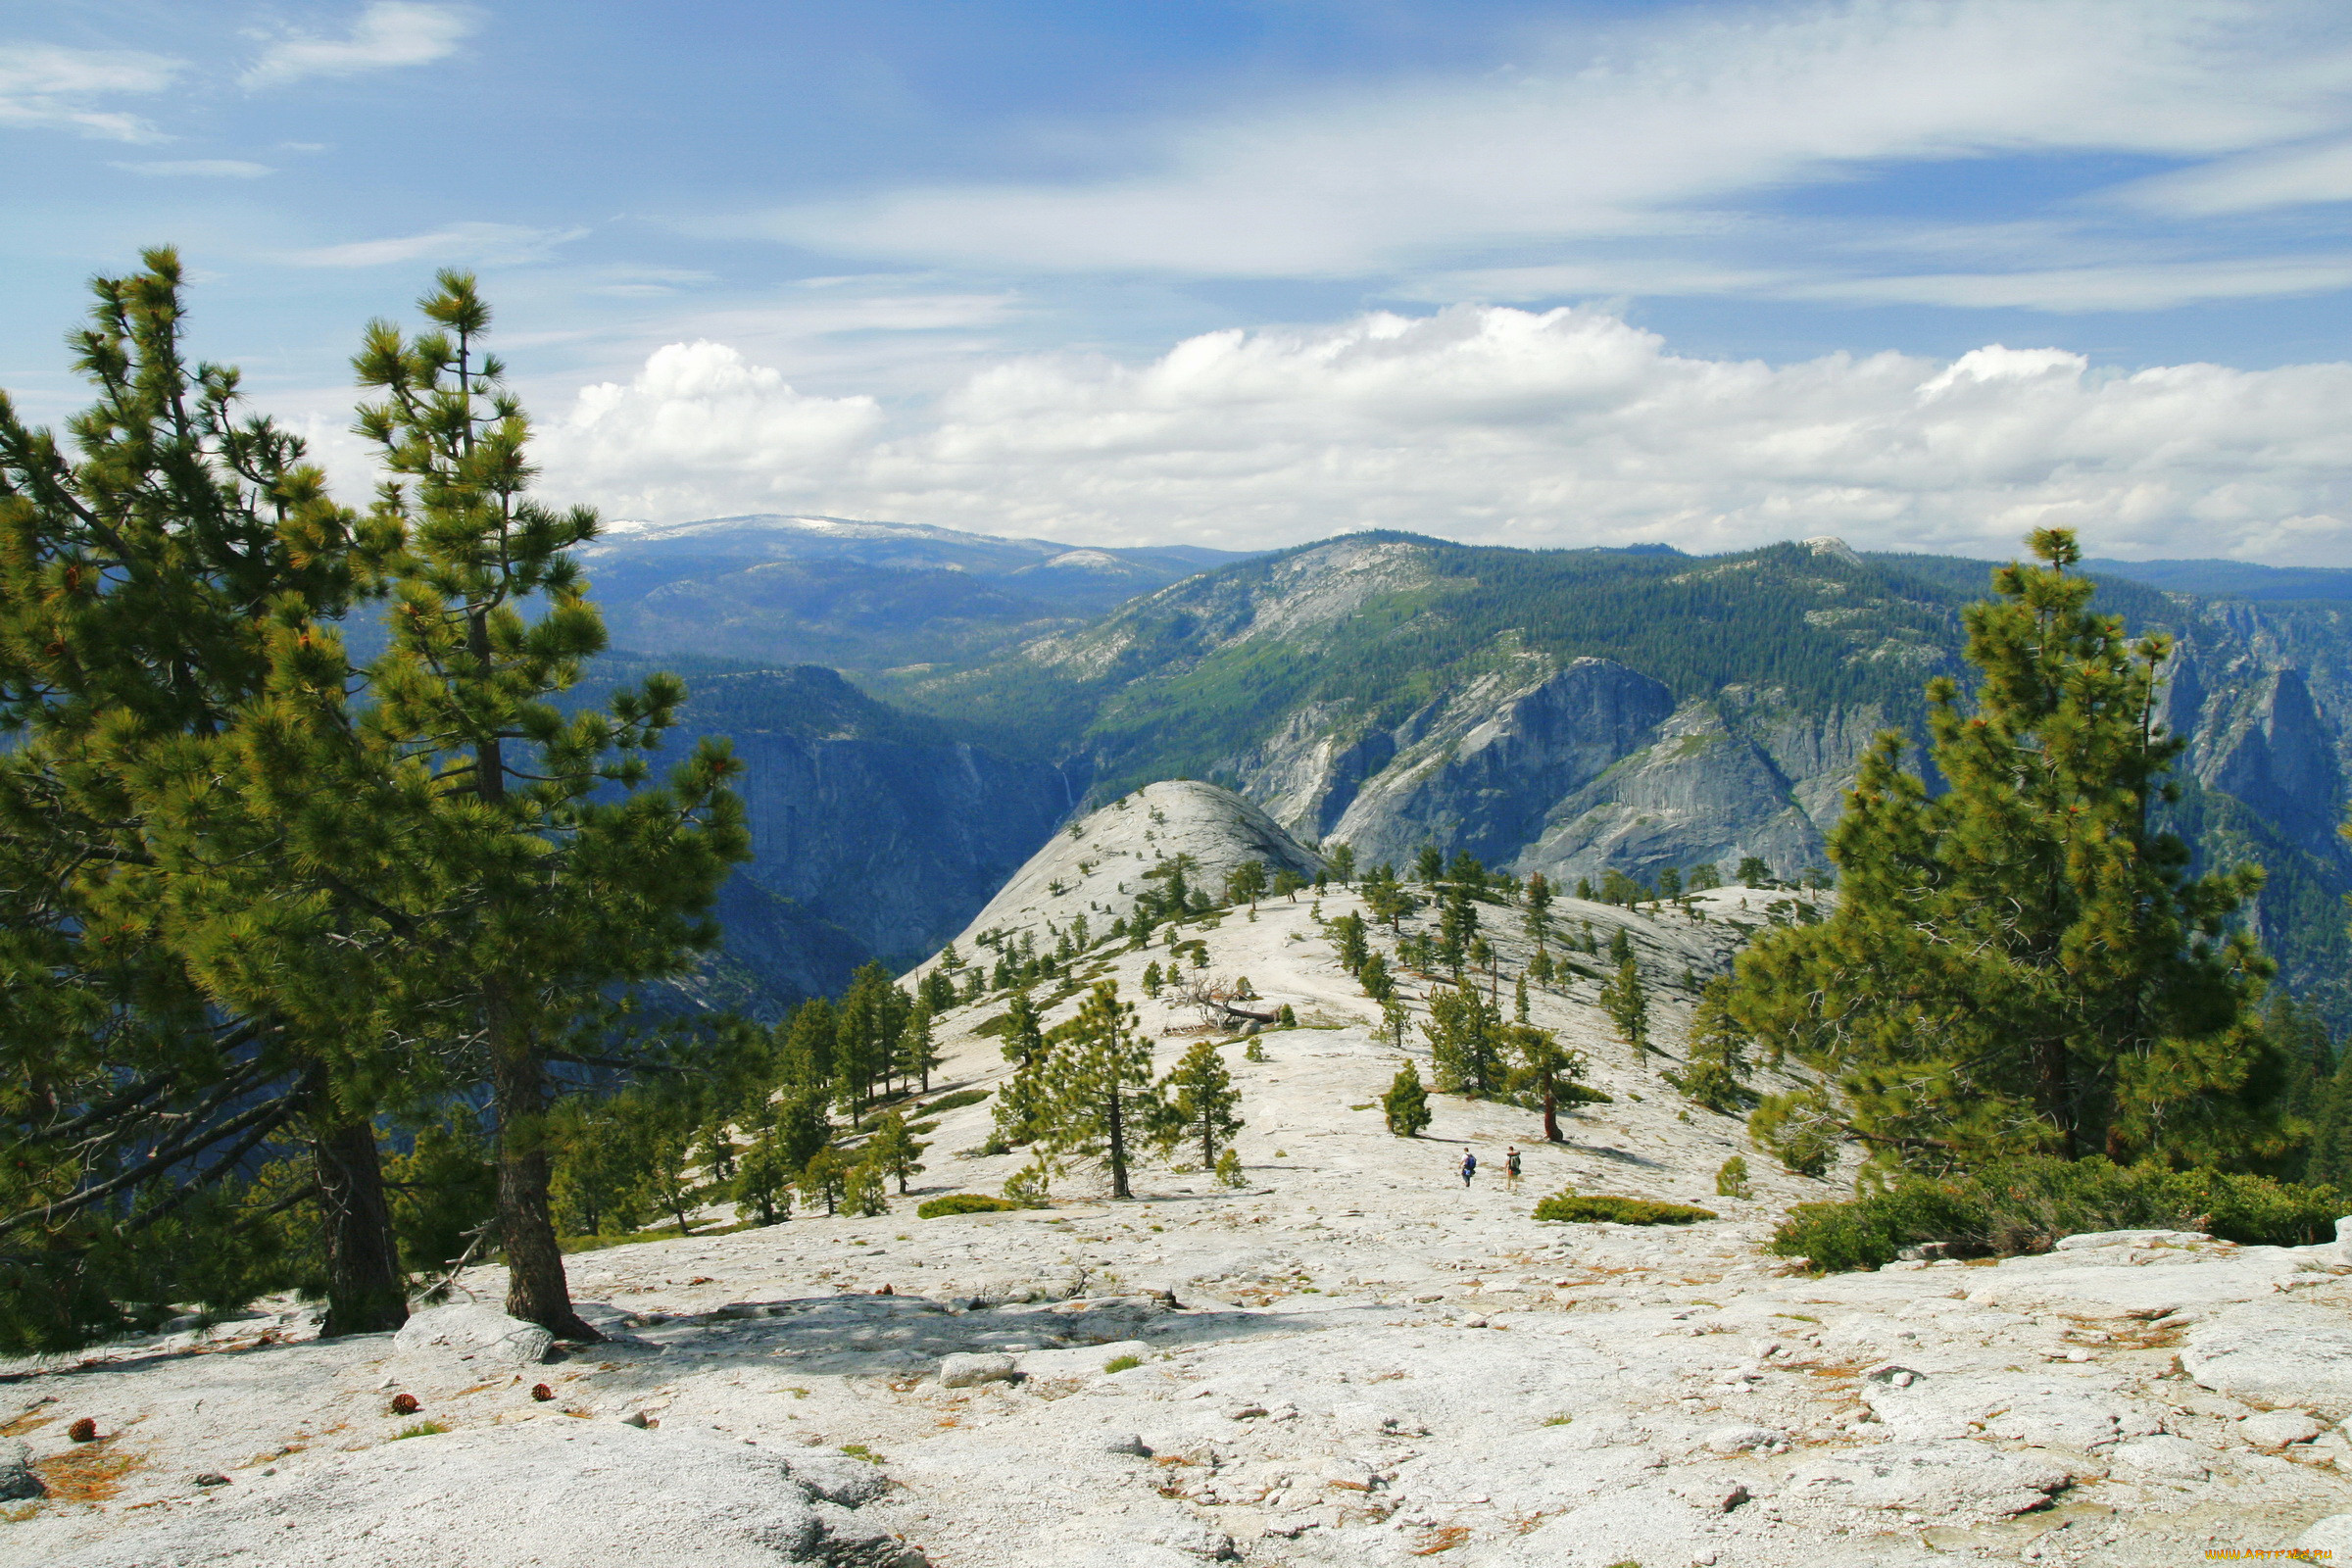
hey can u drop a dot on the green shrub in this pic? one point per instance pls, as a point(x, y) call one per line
point(1731, 1178)
point(1573, 1208)
point(1582, 1095)
point(994, 1026)
point(1122, 1364)
point(963, 1204)
point(954, 1101)
point(2025, 1205)
point(423, 1429)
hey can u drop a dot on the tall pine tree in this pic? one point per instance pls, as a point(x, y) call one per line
point(2023, 963)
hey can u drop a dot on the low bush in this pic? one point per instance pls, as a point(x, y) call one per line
point(963, 1204)
point(1122, 1364)
point(954, 1101)
point(2025, 1205)
point(1575, 1208)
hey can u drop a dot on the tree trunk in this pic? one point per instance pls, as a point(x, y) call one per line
point(1551, 1114)
point(365, 1293)
point(536, 1289)
point(1118, 1151)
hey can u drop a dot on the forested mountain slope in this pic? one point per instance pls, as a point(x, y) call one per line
point(1575, 712)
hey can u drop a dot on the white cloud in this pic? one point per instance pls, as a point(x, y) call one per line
point(1635, 135)
point(1560, 428)
point(699, 420)
point(2292, 176)
point(388, 34)
point(485, 244)
point(42, 85)
point(202, 168)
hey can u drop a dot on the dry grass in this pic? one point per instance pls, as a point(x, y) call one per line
point(1444, 1539)
point(90, 1473)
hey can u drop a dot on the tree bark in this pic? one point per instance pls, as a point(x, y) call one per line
point(365, 1292)
point(536, 1289)
point(1118, 1150)
point(1551, 1114)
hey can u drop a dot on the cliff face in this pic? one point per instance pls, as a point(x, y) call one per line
point(872, 836)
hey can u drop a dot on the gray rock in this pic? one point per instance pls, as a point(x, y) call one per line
point(2273, 1429)
point(838, 1477)
point(966, 1369)
point(1128, 1443)
point(586, 1494)
point(2071, 1243)
point(2160, 1457)
point(2289, 1356)
point(1740, 1438)
point(470, 1331)
point(16, 1479)
point(2331, 1539)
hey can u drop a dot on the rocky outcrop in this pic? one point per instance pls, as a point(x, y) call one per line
point(1098, 866)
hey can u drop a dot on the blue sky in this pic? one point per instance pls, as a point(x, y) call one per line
point(1919, 273)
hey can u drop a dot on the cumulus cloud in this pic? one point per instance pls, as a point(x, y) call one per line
point(388, 34)
point(699, 422)
point(1540, 428)
point(1641, 134)
point(42, 85)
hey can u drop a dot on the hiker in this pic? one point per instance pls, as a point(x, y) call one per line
point(1511, 1169)
point(1469, 1166)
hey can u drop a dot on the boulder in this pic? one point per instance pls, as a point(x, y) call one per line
point(2273, 1429)
point(838, 1477)
point(16, 1479)
point(2160, 1457)
point(2329, 1541)
point(470, 1331)
point(2072, 1244)
point(966, 1369)
point(586, 1494)
point(2285, 1355)
point(1740, 1438)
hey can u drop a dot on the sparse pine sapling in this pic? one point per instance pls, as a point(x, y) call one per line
point(1731, 1178)
point(1537, 902)
point(1373, 975)
point(863, 1191)
point(1541, 1065)
point(894, 1150)
point(1152, 980)
point(1200, 1104)
point(1229, 1168)
point(1625, 1002)
point(822, 1179)
point(1717, 1055)
point(1405, 1106)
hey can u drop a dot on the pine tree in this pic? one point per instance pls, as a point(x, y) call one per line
point(1621, 946)
point(1519, 1000)
point(1201, 1101)
point(1429, 864)
point(1717, 1055)
point(535, 887)
point(1542, 1065)
point(1539, 969)
point(2022, 963)
point(1245, 882)
point(1342, 860)
point(1466, 1042)
point(1347, 937)
point(1153, 981)
point(863, 1194)
point(823, 1176)
point(763, 1177)
point(1373, 975)
point(1405, 1106)
point(1539, 897)
point(1753, 872)
point(919, 1046)
point(1101, 1095)
point(1024, 1034)
point(161, 578)
point(894, 1151)
point(1287, 884)
point(1625, 1002)
point(1458, 929)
